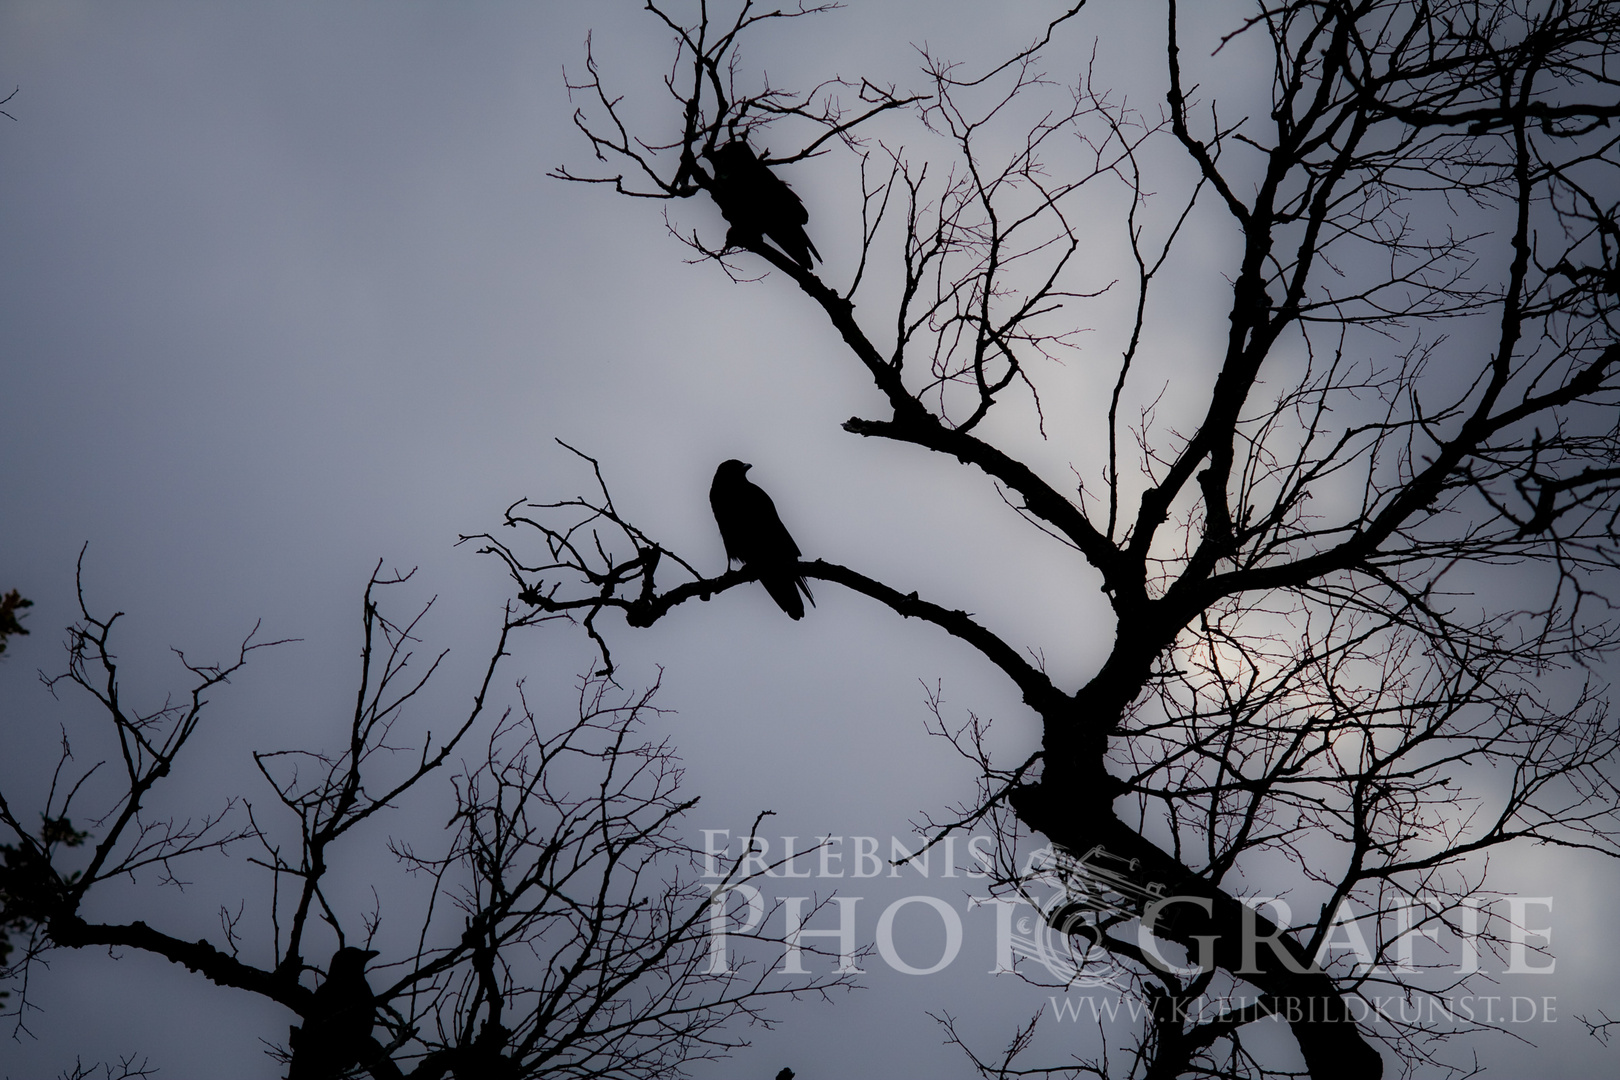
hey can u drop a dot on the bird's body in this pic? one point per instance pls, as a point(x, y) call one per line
point(334, 1035)
point(756, 202)
point(755, 536)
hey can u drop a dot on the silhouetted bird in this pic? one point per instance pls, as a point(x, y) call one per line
point(333, 1038)
point(785, 1074)
point(756, 537)
point(757, 202)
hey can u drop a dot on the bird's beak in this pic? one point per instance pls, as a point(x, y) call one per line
point(372, 954)
point(746, 466)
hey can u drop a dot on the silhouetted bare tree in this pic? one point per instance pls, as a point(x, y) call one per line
point(10, 625)
point(560, 929)
point(1415, 386)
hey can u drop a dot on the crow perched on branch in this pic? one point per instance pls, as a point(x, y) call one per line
point(756, 202)
point(333, 1038)
point(755, 536)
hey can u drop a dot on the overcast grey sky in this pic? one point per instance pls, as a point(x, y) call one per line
point(284, 290)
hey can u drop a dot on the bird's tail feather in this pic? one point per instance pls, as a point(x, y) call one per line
point(785, 591)
point(797, 246)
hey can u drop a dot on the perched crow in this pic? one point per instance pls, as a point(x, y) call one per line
point(333, 1038)
point(756, 202)
point(785, 1074)
point(756, 537)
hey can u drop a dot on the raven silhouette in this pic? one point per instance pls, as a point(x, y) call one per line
point(755, 536)
point(333, 1038)
point(756, 202)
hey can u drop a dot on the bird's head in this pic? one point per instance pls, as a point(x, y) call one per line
point(732, 156)
point(350, 958)
point(733, 469)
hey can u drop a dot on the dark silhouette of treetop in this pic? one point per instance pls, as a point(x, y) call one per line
point(1413, 387)
point(561, 928)
point(1303, 357)
point(11, 603)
